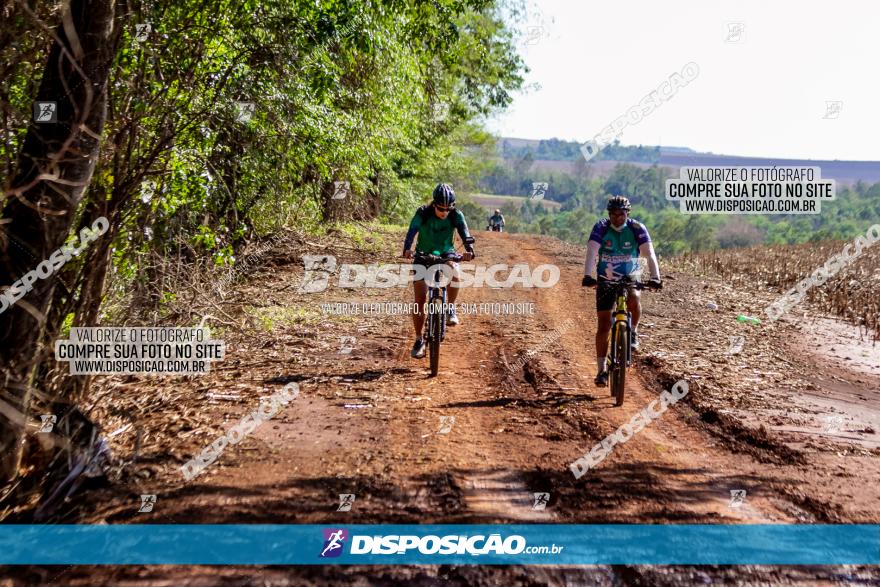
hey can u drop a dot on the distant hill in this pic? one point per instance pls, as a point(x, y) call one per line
point(676, 150)
point(519, 143)
point(492, 201)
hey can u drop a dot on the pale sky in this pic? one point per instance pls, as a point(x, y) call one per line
point(762, 96)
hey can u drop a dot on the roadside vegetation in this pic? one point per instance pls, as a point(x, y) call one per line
point(200, 128)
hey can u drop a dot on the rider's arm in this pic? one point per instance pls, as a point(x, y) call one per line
point(592, 259)
point(463, 231)
point(414, 226)
point(647, 250)
point(593, 245)
point(502, 219)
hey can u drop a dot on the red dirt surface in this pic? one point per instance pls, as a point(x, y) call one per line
point(371, 422)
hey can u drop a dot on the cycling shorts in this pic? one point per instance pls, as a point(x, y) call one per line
point(605, 300)
point(453, 264)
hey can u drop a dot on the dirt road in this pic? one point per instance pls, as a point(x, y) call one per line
point(471, 445)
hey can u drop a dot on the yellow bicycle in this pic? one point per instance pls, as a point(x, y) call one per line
point(620, 338)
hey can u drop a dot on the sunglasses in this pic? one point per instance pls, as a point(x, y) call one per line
point(442, 209)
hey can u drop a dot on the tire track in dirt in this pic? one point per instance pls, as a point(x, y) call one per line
point(517, 430)
point(481, 454)
point(690, 479)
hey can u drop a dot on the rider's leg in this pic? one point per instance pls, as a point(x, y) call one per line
point(633, 304)
point(452, 290)
point(420, 291)
point(603, 329)
point(452, 318)
point(604, 306)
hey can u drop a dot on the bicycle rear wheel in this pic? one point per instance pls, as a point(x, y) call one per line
point(618, 368)
point(435, 318)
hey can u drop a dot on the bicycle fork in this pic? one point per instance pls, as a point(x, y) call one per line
point(612, 341)
point(437, 317)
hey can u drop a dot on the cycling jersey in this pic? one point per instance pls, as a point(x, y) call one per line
point(435, 234)
point(618, 250)
point(496, 219)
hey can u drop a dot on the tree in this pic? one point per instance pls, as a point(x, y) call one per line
point(384, 96)
point(736, 232)
point(54, 169)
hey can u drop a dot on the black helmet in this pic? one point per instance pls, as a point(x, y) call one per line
point(444, 195)
point(619, 203)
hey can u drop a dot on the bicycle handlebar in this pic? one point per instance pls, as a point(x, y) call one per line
point(624, 281)
point(434, 259)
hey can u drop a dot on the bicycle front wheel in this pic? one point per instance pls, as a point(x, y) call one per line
point(618, 368)
point(435, 318)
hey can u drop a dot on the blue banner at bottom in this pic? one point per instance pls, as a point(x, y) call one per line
point(482, 544)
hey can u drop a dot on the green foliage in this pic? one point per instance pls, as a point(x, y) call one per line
point(674, 233)
point(387, 96)
point(474, 214)
point(583, 200)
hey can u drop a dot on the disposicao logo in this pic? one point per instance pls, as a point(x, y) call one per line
point(334, 538)
point(452, 544)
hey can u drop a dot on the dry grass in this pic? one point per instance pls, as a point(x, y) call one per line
point(851, 294)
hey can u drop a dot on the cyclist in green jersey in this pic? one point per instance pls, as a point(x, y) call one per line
point(435, 224)
point(617, 242)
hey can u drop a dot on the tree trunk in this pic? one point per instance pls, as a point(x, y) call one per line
point(54, 169)
point(331, 210)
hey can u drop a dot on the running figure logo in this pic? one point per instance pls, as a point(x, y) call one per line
point(47, 422)
point(737, 497)
point(440, 111)
point(541, 501)
point(317, 275)
point(735, 32)
point(446, 423)
point(347, 345)
point(148, 188)
point(142, 31)
point(147, 503)
point(832, 109)
point(735, 345)
point(833, 423)
point(533, 34)
point(245, 111)
point(346, 500)
point(340, 190)
point(539, 189)
point(333, 541)
point(45, 111)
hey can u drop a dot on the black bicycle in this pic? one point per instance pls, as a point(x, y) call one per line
point(436, 307)
point(620, 337)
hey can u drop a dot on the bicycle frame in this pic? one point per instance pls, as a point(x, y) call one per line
point(620, 349)
point(435, 306)
point(435, 294)
point(620, 315)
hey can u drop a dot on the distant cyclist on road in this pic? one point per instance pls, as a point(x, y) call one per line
point(616, 242)
point(435, 224)
point(496, 219)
